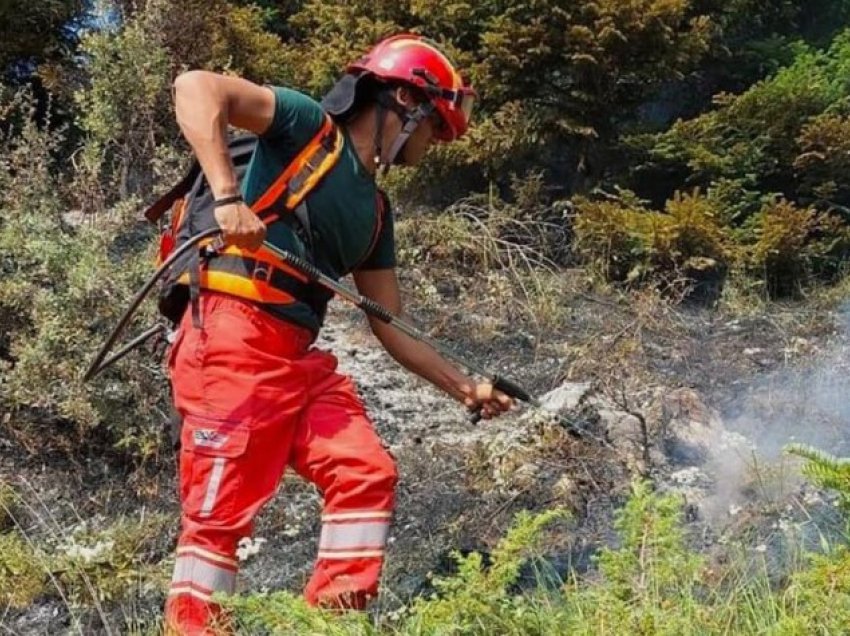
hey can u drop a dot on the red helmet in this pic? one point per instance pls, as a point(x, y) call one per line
point(415, 60)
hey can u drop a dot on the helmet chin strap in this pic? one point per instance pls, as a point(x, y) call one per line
point(410, 120)
point(380, 118)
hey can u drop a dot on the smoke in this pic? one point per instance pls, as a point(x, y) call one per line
point(807, 401)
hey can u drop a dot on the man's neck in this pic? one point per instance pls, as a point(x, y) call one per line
point(362, 129)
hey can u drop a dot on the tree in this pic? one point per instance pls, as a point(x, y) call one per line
point(765, 137)
point(36, 32)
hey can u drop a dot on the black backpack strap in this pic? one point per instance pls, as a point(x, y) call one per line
point(302, 214)
point(241, 148)
point(164, 203)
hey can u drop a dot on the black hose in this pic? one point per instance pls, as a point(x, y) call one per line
point(97, 365)
point(315, 275)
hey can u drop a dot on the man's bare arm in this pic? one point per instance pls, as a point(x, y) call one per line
point(205, 104)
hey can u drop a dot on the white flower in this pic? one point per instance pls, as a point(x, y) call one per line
point(248, 547)
point(761, 548)
point(812, 499)
point(292, 531)
point(87, 554)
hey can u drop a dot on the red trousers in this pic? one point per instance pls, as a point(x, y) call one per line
point(255, 398)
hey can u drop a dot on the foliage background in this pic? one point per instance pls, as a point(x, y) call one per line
point(697, 147)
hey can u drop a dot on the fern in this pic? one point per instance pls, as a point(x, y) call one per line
point(476, 600)
point(284, 613)
point(825, 470)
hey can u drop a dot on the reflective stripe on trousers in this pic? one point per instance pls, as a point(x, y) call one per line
point(201, 573)
point(212, 487)
point(354, 534)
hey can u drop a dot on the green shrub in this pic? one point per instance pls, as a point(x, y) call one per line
point(825, 470)
point(653, 561)
point(66, 277)
point(817, 599)
point(650, 583)
point(22, 572)
point(824, 145)
point(792, 247)
point(477, 600)
point(216, 35)
point(68, 314)
point(125, 112)
point(93, 565)
point(754, 135)
point(626, 242)
point(550, 76)
point(785, 247)
point(285, 613)
point(36, 30)
point(736, 199)
point(608, 238)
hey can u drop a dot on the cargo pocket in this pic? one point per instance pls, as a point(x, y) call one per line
point(211, 460)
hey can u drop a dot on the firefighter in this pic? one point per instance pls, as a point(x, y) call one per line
point(254, 395)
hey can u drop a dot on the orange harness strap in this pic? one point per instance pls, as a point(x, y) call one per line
point(304, 170)
point(302, 175)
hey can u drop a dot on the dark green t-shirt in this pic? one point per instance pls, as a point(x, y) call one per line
point(344, 215)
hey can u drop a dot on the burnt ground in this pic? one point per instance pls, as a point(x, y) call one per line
point(462, 484)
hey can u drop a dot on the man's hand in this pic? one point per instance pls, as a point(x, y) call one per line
point(240, 226)
point(491, 402)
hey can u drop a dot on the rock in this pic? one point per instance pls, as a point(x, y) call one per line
point(690, 430)
point(626, 434)
point(566, 397)
point(599, 415)
point(621, 427)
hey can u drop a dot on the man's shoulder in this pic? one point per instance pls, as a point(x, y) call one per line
point(297, 115)
point(289, 94)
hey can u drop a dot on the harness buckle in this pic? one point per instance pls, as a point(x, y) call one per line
point(329, 141)
point(262, 272)
point(319, 158)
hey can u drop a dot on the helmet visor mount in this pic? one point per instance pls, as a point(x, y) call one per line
point(455, 110)
point(467, 102)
